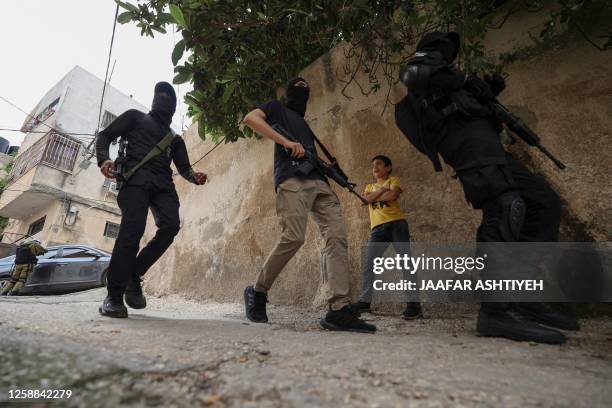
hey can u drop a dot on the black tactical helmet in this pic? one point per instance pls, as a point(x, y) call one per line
point(430, 40)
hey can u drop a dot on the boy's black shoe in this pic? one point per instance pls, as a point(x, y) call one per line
point(133, 294)
point(541, 313)
point(255, 305)
point(413, 311)
point(360, 307)
point(503, 324)
point(113, 307)
point(346, 320)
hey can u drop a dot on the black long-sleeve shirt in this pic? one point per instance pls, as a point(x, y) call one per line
point(142, 132)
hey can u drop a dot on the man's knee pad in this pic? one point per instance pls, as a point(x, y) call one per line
point(552, 202)
point(511, 216)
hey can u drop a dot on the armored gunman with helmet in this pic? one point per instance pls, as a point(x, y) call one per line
point(449, 113)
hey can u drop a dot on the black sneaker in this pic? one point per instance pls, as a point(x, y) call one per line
point(113, 307)
point(346, 320)
point(255, 305)
point(133, 294)
point(360, 307)
point(413, 311)
point(503, 324)
point(541, 313)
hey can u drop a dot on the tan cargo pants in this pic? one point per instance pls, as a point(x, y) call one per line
point(295, 198)
point(18, 279)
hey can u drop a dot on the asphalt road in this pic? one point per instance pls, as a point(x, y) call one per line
point(183, 353)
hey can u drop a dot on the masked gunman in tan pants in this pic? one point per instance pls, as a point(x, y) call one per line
point(25, 260)
point(301, 189)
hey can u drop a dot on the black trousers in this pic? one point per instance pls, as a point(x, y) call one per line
point(483, 187)
point(495, 189)
point(134, 201)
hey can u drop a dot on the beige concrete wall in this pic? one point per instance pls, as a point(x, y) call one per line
point(16, 229)
point(230, 225)
point(88, 228)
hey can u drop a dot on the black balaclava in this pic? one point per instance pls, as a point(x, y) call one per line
point(297, 96)
point(446, 43)
point(164, 106)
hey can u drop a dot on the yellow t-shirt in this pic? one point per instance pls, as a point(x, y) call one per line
point(382, 212)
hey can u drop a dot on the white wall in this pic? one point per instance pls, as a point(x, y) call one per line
point(80, 93)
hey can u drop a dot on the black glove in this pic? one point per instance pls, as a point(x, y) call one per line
point(479, 88)
point(496, 82)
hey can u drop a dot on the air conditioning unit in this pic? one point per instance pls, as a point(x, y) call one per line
point(112, 187)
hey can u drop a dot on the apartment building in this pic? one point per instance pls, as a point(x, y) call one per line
point(55, 191)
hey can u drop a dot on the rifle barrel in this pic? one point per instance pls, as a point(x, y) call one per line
point(363, 200)
point(548, 154)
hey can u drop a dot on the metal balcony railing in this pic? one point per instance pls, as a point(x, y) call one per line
point(53, 150)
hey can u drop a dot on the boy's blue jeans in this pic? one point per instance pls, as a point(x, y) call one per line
point(394, 233)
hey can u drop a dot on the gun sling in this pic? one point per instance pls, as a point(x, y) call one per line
point(155, 151)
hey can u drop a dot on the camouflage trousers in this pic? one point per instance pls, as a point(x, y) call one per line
point(18, 279)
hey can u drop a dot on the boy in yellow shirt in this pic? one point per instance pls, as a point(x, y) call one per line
point(389, 226)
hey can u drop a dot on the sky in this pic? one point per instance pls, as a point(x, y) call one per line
point(42, 40)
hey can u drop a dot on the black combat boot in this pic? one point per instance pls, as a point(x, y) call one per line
point(543, 314)
point(360, 307)
point(255, 305)
point(346, 320)
point(113, 306)
point(500, 323)
point(133, 294)
point(413, 311)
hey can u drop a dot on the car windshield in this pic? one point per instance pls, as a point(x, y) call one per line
point(49, 254)
point(103, 252)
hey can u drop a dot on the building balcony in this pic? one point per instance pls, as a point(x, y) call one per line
point(39, 175)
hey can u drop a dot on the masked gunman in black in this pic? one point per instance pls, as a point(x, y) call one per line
point(300, 190)
point(150, 186)
point(446, 112)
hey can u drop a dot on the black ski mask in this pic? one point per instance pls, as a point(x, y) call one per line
point(164, 103)
point(297, 96)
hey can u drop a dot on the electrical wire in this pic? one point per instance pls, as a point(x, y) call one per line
point(206, 154)
point(48, 193)
point(110, 51)
point(42, 131)
point(30, 116)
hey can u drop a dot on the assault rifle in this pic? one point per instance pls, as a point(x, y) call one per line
point(120, 163)
point(331, 170)
point(416, 76)
point(520, 128)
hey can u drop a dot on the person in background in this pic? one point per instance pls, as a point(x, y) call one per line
point(389, 227)
point(25, 261)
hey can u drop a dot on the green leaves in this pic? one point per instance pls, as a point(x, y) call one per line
point(178, 51)
point(127, 6)
point(229, 91)
point(237, 53)
point(125, 17)
point(181, 78)
point(178, 16)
